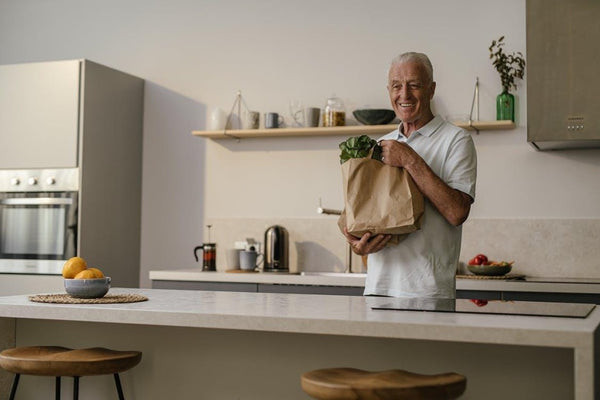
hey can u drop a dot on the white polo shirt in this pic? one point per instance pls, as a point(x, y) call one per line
point(424, 263)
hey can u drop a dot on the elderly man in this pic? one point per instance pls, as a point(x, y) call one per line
point(442, 161)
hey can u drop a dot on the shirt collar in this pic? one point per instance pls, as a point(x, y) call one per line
point(431, 127)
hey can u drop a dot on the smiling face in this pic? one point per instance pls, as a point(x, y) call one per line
point(411, 92)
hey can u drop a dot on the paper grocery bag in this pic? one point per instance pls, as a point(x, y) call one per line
point(379, 199)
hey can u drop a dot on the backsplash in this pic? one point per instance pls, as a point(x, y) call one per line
point(566, 248)
point(315, 244)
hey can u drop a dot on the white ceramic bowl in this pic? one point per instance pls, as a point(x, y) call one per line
point(87, 288)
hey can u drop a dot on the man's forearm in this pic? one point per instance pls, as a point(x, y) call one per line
point(453, 204)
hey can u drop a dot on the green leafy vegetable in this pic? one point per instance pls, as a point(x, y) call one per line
point(359, 147)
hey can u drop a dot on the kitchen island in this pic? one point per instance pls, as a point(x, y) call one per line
point(203, 344)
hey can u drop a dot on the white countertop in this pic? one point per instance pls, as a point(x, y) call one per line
point(537, 284)
point(316, 314)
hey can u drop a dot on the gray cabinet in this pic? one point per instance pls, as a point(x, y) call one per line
point(39, 115)
point(257, 287)
point(589, 298)
point(82, 115)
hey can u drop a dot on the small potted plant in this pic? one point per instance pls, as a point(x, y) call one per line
point(510, 67)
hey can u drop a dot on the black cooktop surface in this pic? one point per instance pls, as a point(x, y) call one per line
point(531, 308)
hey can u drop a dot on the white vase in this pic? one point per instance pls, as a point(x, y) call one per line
point(217, 119)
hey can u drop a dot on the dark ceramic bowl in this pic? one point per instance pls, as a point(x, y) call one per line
point(490, 270)
point(374, 116)
point(87, 288)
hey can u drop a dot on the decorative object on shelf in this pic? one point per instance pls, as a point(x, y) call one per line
point(297, 113)
point(311, 117)
point(217, 119)
point(334, 113)
point(251, 120)
point(510, 67)
point(273, 120)
point(234, 119)
point(475, 102)
point(374, 116)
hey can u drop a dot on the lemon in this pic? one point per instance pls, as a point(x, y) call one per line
point(73, 266)
point(86, 274)
point(97, 272)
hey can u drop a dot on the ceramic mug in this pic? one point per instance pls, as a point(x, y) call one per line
point(251, 120)
point(249, 259)
point(311, 116)
point(273, 120)
point(233, 258)
point(217, 119)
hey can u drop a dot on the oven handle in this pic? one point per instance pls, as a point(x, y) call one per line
point(37, 201)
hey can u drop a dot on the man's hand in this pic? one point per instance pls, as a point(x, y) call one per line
point(398, 154)
point(367, 244)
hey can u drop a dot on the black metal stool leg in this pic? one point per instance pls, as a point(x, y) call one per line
point(75, 387)
point(119, 388)
point(13, 391)
point(57, 388)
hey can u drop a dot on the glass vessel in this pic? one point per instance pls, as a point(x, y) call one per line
point(334, 113)
point(505, 106)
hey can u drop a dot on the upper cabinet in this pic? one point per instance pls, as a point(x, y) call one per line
point(39, 115)
point(562, 68)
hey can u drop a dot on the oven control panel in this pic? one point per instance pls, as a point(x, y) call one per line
point(39, 180)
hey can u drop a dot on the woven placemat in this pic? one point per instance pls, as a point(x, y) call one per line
point(514, 277)
point(67, 299)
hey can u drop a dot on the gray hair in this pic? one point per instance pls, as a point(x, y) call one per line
point(419, 58)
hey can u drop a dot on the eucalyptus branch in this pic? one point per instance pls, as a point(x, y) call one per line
point(509, 66)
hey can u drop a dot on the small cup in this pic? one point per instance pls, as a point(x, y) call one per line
point(273, 120)
point(311, 116)
point(217, 119)
point(251, 120)
point(248, 259)
point(233, 258)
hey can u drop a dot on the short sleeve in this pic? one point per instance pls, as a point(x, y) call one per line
point(460, 170)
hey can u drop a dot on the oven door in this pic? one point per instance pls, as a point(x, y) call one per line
point(38, 231)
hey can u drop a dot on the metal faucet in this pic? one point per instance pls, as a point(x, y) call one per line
point(331, 211)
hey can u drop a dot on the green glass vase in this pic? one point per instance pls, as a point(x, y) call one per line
point(505, 106)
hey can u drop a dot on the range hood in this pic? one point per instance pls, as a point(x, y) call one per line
point(563, 84)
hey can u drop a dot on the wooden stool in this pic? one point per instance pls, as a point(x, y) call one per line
point(356, 384)
point(61, 361)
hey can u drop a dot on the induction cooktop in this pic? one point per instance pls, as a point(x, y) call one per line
point(530, 308)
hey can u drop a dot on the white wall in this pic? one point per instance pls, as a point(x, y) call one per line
point(195, 55)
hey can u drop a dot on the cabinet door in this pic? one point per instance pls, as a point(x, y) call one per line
point(39, 109)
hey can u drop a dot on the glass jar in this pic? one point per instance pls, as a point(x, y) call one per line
point(334, 113)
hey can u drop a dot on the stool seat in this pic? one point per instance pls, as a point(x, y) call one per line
point(62, 361)
point(356, 384)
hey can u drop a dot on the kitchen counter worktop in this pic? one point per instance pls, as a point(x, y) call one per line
point(533, 284)
point(317, 315)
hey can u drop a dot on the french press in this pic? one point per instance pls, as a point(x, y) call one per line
point(209, 254)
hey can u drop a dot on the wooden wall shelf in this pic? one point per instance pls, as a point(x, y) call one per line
point(339, 130)
point(485, 125)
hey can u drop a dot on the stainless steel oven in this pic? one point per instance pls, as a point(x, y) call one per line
point(38, 219)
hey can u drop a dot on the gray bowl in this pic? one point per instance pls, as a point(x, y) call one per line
point(374, 116)
point(490, 270)
point(87, 288)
